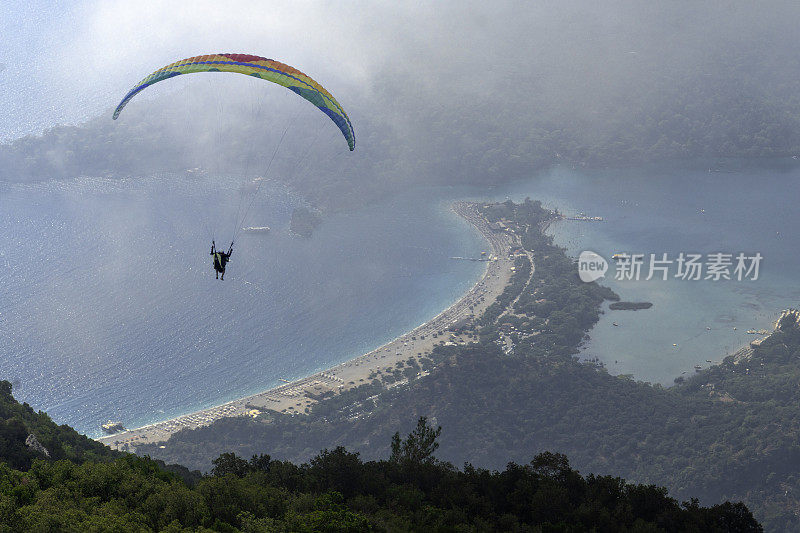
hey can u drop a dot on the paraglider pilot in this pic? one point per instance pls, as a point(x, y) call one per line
point(220, 260)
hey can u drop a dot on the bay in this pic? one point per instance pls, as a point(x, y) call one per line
point(110, 309)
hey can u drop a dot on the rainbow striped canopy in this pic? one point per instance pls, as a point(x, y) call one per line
point(260, 67)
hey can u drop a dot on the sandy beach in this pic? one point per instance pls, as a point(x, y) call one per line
point(294, 397)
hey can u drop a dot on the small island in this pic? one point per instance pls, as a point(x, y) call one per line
point(629, 306)
point(304, 221)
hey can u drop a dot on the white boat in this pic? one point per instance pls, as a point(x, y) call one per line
point(256, 229)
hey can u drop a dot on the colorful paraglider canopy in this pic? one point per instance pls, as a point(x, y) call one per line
point(259, 67)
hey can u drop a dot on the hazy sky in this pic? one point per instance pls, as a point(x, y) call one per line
point(66, 61)
point(71, 61)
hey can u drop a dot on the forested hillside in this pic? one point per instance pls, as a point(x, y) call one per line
point(334, 491)
point(18, 422)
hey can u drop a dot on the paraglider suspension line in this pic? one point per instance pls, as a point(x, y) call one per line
point(258, 187)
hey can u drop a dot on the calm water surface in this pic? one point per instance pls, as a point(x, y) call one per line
point(111, 310)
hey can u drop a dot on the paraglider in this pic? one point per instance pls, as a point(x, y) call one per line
point(220, 260)
point(259, 67)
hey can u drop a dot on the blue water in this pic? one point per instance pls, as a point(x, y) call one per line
point(110, 308)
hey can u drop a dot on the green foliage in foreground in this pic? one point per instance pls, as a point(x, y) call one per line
point(337, 491)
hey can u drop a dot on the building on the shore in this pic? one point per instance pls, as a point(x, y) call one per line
point(757, 342)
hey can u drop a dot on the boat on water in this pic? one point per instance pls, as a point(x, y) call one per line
point(256, 229)
point(585, 218)
point(112, 427)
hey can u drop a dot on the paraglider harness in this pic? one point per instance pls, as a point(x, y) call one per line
point(220, 259)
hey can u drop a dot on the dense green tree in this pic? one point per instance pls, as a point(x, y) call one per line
point(418, 447)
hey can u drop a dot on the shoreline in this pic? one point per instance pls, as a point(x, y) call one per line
point(295, 397)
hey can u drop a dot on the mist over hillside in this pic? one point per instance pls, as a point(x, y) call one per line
point(453, 93)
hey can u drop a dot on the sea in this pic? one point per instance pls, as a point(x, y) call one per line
point(110, 310)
